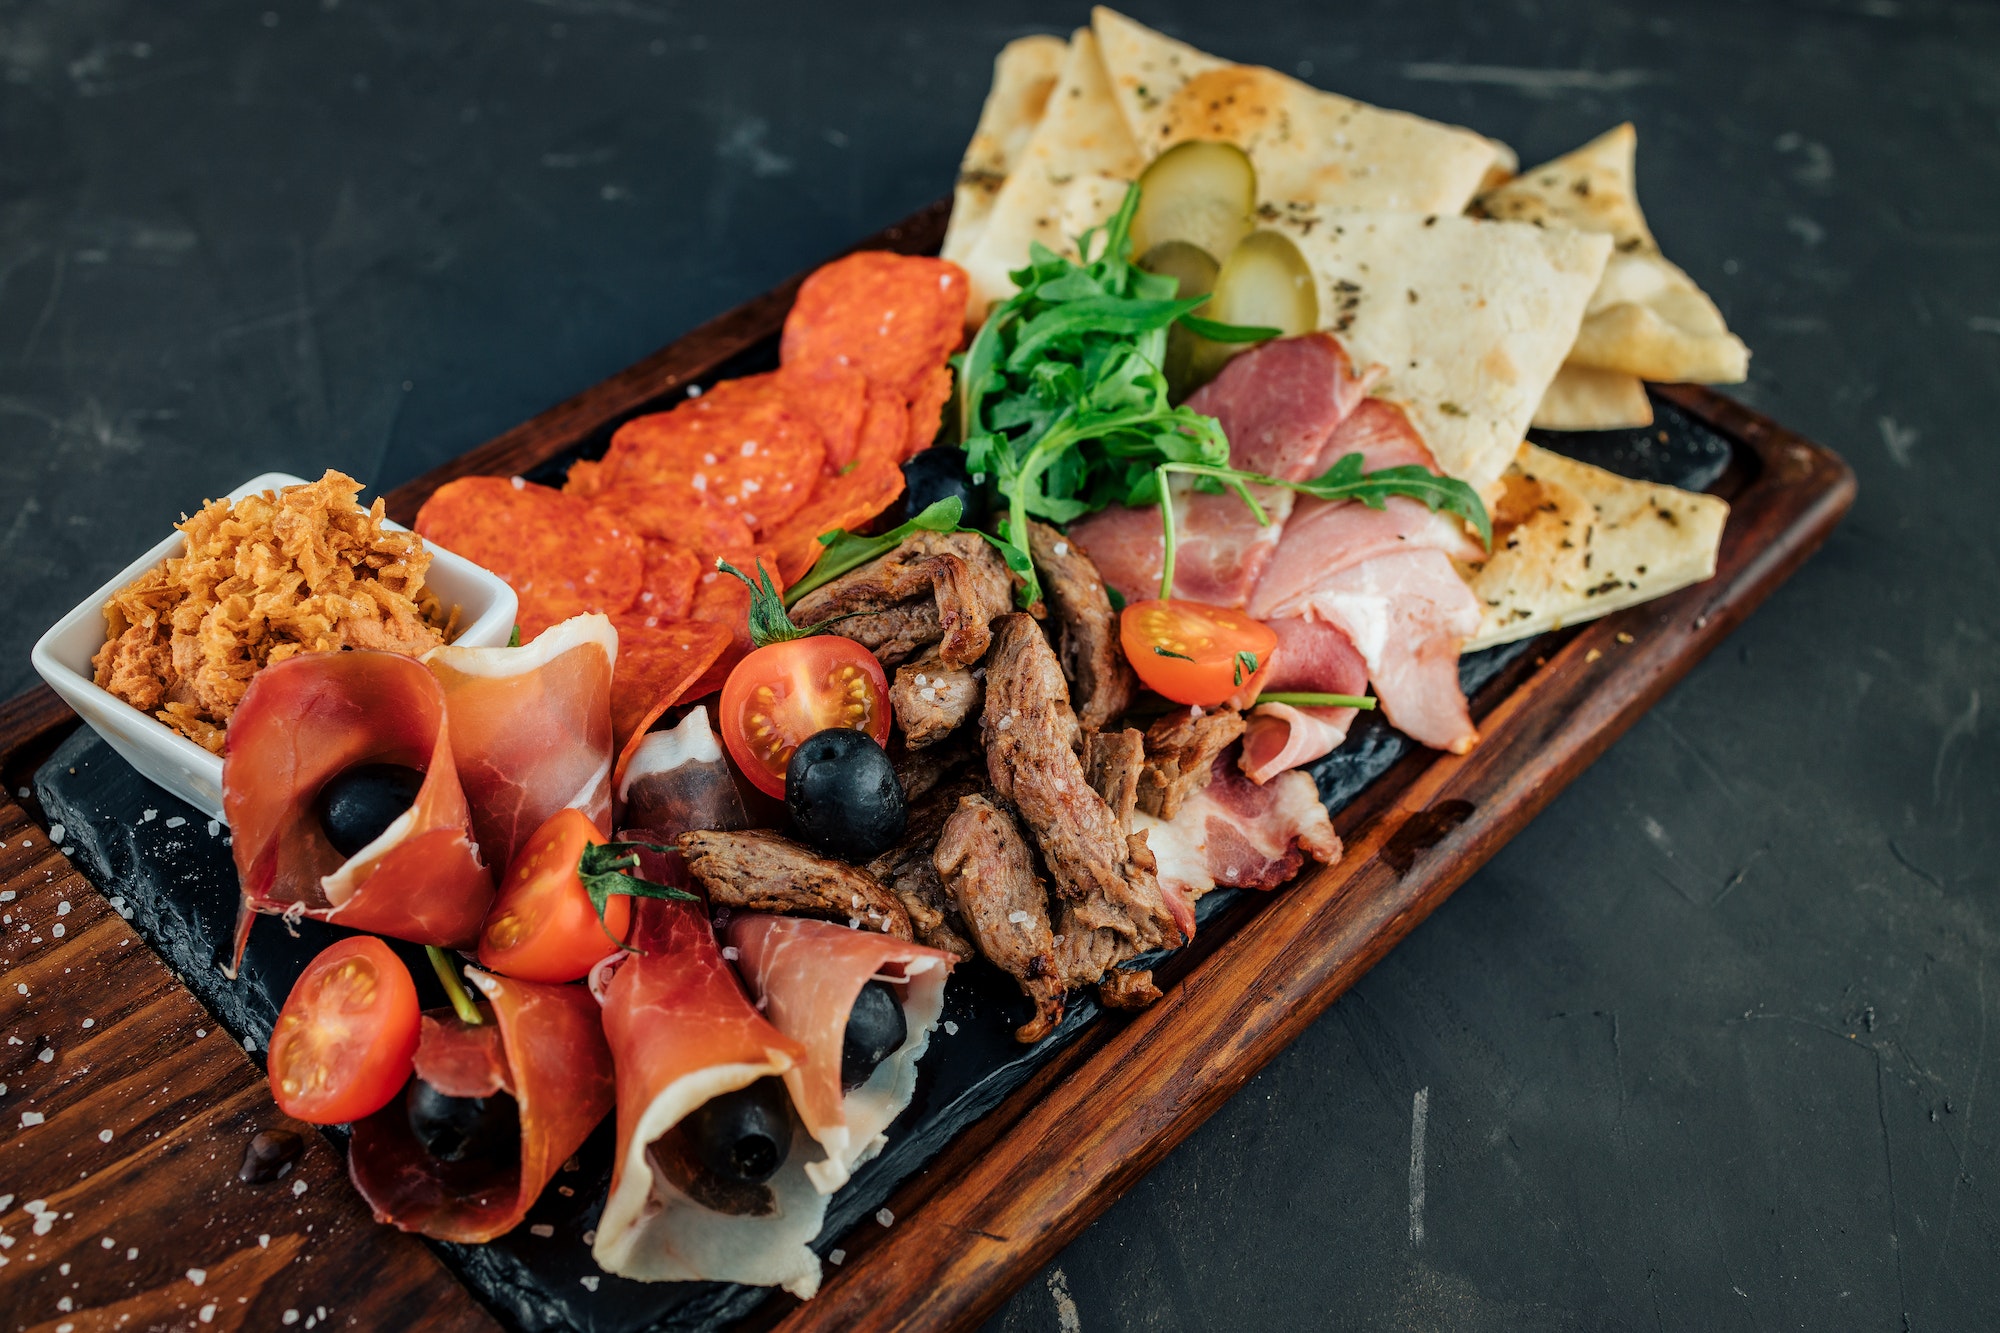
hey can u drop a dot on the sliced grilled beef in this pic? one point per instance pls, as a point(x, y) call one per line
point(989, 875)
point(761, 872)
point(931, 700)
point(1180, 750)
point(1101, 683)
point(1114, 760)
point(937, 587)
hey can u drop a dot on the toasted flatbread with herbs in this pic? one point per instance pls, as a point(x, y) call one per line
point(1469, 319)
point(1081, 136)
point(1024, 74)
point(1573, 542)
point(1647, 318)
point(1308, 146)
point(1586, 398)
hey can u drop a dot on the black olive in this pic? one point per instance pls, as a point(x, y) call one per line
point(743, 1135)
point(843, 795)
point(876, 1030)
point(355, 806)
point(460, 1129)
point(934, 474)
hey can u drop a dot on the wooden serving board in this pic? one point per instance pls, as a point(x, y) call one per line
point(179, 1097)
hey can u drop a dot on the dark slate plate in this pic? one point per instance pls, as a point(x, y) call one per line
point(173, 878)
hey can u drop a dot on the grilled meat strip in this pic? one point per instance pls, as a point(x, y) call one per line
point(1031, 737)
point(761, 872)
point(931, 700)
point(989, 875)
point(1180, 752)
point(1101, 682)
point(908, 871)
point(937, 587)
point(1114, 760)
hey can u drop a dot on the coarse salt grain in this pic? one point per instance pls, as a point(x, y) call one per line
point(1019, 917)
point(148, 816)
point(884, 1216)
point(289, 1317)
point(928, 694)
point(8, 896)
point(56, 832)
point(108, 1243)
point(263, 1242)
point(104, 1136)
point(589, 1283)
point(197, 1275)
point(520, 483)
point(1062, 548)
point(214, 827)
point(542, 1229)
point(90, 1022)
point(1003, 724)
point(176, 822)
point(207, 1313)
point(59, 930)
point(132, 1253)
point(950, 1028)
point(298, 1188)
point(731, 952)
point(836, 1257)
point(21, 986)
point(29, 1119)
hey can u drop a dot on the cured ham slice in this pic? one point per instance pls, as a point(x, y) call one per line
point(531, 729)
point(1325, 537)
point(677, 780)
point(544, 1046)
point(1220, 549)
point(1408, 613)
point(1311, 656)
point(1279, 402)
point(1235, 834)
point(1381, 432)
point(308, 719)
point(806, 975)
point(681, 1033)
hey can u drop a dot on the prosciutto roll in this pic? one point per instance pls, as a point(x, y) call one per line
point(806, 976)
point(531, 729)
point(677, 780)
point(544, 1047)
point(684, 1036)
point(304, 722)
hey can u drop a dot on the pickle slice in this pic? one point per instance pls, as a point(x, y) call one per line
point(1196, 270)
point(1264, 282)
point(1199, 192)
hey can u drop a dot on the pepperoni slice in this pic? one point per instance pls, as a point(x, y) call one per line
point(656, 665)
point(667, 590)
point(892, 317)
point(927, 410)
point(834, 397)
point(558, 554)
point(849, 501)
point(740, 443)
point(668, 511)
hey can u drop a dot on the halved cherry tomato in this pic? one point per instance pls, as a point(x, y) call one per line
point(784, 692)
point(543, 927)
point(343, 1043)
point(1195, 653)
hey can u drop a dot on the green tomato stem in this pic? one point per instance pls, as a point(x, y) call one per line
point(1307, 699)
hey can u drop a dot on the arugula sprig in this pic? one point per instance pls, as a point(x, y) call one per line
point(1064, 401)
point(1345, 480)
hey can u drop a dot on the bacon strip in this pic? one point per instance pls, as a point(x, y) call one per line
point(531, 729)
point(545, 1046)
point(304, 721)
point(1314, 657)
point(1235, 834)
point(806, 975)
point(682, 1033)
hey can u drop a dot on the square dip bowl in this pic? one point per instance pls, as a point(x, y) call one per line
point(487, 607)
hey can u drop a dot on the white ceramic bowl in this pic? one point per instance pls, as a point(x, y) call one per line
point(62, 656)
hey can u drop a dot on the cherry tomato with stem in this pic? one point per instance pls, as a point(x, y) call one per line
point(1194, 653)
point(565, 902)
point(343, 1044)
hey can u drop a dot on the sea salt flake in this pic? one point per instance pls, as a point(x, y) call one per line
point(289, 1317)
point(21, 986)
point(1019, 917)
point(56, 832)
point(59, 930)
point(176, 822)
point(8, 895)
point(29, 1119)
point(207, 1313)
point(197, 1275)
point(90, 1022)
point(263, 1242)
point(884, 1216)
point(520, 483)
point(62, 908)
point(298, 1188)
point(950, 1028)
point(48, 1055)
point(731, 952)
point(542, 1229)
point(214, 827)
point(1062, 548)
point(928, 693)
point(589, 1283)
point(836, 1257)
point(148, 816)
point(132, 1253)
point(104, 1136)
point(108, 1243)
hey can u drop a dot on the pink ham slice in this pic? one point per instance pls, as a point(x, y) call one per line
point(1278, 405)
point(1235, 834)
point(1280, 402)
point(805, 976)
point(1380, 431)
point(1407, 613)
point(1219, 554)
point(1311, 656)
point(531, 730)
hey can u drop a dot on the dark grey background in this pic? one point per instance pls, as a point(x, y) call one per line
point(1703, 1048)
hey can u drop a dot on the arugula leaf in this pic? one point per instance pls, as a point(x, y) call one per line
point(1063, 398)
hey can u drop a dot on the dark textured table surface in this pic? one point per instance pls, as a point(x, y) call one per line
point(1703, 1048)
